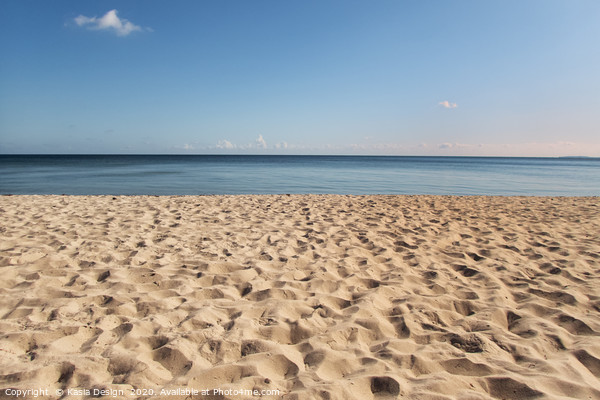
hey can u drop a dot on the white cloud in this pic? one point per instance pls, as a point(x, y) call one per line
point(260, 142)
point(282, 145)
point(225, 144)
point(109, 21)
point(447, 104)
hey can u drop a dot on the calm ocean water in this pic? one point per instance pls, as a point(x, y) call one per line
point(238, 174)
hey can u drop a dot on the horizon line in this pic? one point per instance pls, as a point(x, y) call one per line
point(286, 155)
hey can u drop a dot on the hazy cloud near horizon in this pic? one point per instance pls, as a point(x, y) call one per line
point(525, 149)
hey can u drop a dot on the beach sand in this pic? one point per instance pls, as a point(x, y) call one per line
point(300, 297)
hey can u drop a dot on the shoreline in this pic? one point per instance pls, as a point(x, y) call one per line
point(311, 295)
point(507, 196)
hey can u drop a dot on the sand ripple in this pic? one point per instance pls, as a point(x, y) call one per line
point(319, 297)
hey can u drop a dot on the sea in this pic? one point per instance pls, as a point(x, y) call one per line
point(283, 174)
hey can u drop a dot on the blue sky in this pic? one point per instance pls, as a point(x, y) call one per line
point(516, 78)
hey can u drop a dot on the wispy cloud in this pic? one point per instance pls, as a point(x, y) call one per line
point(447, 104)
point(110, 22)
point(529, 149)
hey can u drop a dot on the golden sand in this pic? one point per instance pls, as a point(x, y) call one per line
point(300, 297)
